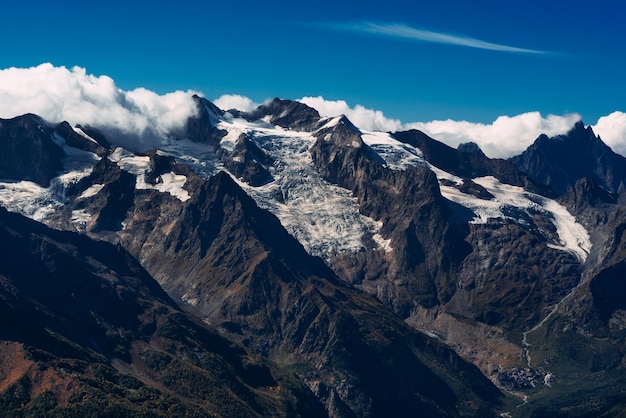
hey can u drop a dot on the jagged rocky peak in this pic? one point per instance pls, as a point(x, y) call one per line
point(341, 131)
point(562, 160)
point(248, 161)
point(28, 150)
point(467, 161)
point(470, 147)
point(288, 114)
point(206, 107)
point(79, 138)
point(203, 126)
point(96, 134)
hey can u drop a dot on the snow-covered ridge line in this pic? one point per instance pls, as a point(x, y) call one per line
point(397, 155)
point(572, 236)
point(83, 134)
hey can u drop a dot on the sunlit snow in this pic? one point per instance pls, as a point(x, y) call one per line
point(397, 155)
point(139, 165)
point(508, 200)
point(91, 191)
point(325, 218)
point(572, 235)
point(83, 134)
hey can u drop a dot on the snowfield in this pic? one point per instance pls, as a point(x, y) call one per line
point(139, 166)
point(509, 202)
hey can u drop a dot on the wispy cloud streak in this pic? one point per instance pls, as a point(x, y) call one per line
point(402, 31)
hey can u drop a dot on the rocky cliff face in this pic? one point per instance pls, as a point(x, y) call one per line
point(560, 161)
point(425, 247)
point(28, 151)
point(245, 275)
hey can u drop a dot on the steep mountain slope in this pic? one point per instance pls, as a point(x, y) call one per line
point(583, 343)
point(426, 248)
point(88, 330)
point(244, 274)
point(27, 150)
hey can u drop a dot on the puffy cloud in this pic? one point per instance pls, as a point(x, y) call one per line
point(612, 130)
point(235, 101)
point(138, 118)
point(505, 137)
point(366, 119)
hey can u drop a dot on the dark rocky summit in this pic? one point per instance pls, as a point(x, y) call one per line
point(28, 151)
point(96, 144)
point(562, 160)
point(287, 114)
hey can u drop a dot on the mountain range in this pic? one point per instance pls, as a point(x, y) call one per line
point(280, 263)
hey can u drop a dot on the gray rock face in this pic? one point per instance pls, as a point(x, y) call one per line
point(27, 149)
point(427, 248)
point(560, 161)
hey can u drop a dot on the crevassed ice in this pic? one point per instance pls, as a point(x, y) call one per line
point(28, 199)
point(397, 155)
point(324, 217)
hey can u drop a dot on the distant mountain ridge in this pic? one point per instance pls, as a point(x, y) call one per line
point(560, 161)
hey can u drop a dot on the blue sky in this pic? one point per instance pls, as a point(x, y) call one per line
point(415, 61)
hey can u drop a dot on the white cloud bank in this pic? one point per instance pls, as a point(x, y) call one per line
point(235, 101)
point(612, 130)
point(505, 137)
point(138, 118)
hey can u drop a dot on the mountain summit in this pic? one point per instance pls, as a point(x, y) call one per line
point(562, 160)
